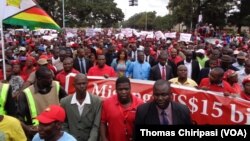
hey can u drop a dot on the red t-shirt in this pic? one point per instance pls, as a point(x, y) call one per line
point(236, 88)
point(96, 71)
point(61, 76)
point(223, 87)
point(120, 120)
point(245, 96)
point(24, 73)
point(176, 60)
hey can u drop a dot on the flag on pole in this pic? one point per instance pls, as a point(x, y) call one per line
point(26, 13)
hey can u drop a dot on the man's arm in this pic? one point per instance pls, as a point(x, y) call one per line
point(65, 124)
point(24, 116)
point(103, 131)
point(129, 70)
point(96, 125)
point(62, 93)
point(10, 105)
point(31, 80)
point(103, 126)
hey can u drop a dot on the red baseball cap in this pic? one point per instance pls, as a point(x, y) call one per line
point(51, 114)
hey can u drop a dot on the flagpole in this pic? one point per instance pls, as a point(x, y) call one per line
point(3, 51)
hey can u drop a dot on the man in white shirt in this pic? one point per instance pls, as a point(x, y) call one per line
point(83, 111)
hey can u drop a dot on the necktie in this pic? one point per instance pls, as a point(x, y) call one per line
point(164, 118)
point(163, 73)
point(82, 68)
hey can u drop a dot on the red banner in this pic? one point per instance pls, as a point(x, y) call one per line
point(206, 107)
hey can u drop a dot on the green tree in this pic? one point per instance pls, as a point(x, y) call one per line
point(143, 20)
point(242, 17)
point(52, 8)
point(102, 13)
point(187, 11)
point(164, 23)
point(153, 22)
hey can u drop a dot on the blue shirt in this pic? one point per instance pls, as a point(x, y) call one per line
point(65, 137)
point(137, 70)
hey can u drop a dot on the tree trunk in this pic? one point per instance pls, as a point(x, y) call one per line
point(239, 28)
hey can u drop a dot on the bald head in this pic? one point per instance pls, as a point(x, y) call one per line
point(182, 72)
point(81, 83)
point(161, 83)
point(181, 67)
point(80, 76)
point(216, 75)
point(218, 71)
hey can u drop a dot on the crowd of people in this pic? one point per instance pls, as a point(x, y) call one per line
point(35, 104)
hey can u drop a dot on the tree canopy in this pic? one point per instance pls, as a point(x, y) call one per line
point(149, 21)
point(79, 13)
point(213, 11)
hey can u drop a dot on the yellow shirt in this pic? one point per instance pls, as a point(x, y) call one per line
point(189, 82)
point(11, 130)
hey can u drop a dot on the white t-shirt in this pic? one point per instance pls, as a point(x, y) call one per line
point(65, 137)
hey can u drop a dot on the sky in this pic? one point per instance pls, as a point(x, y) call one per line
point(143, 5)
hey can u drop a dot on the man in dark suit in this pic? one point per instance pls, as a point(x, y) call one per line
point(162, 110)
point(161, 70)
point(193, 67)
point(205, 71)
point(110, 55)
point(81, 63)
point(148, 58)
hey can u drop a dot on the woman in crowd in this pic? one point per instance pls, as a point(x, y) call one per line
point(28, 68)
point(93, 58)
point(121, 63)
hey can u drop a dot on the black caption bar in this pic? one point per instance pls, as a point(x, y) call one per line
point(202, 132)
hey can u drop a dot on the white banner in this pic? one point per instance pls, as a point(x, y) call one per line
point(90, 32)
point(170, 35)
point(185, 37)
point(128, 32)
point(159, 35)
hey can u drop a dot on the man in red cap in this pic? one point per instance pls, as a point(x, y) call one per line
point(49, 129)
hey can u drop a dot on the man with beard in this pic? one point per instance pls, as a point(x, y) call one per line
point(118, 113)
point(34, 99)
point(50, 127)
point(162, 110)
